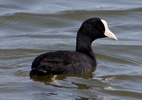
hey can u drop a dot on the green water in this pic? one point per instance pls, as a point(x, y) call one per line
point(29, 28)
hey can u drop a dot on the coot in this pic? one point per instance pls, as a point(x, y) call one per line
point(82, 60)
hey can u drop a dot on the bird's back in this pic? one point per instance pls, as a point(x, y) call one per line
point(62, 62)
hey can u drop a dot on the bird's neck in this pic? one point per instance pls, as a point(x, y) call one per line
point(83, 45)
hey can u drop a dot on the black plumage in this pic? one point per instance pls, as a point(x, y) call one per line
point(81, 61)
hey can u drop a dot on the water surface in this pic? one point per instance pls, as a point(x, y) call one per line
point(29, 28)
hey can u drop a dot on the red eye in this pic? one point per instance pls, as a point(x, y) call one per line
point(99, 27)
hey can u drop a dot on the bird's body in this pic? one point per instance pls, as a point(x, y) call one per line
point(67, 62)
point(82, 60)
